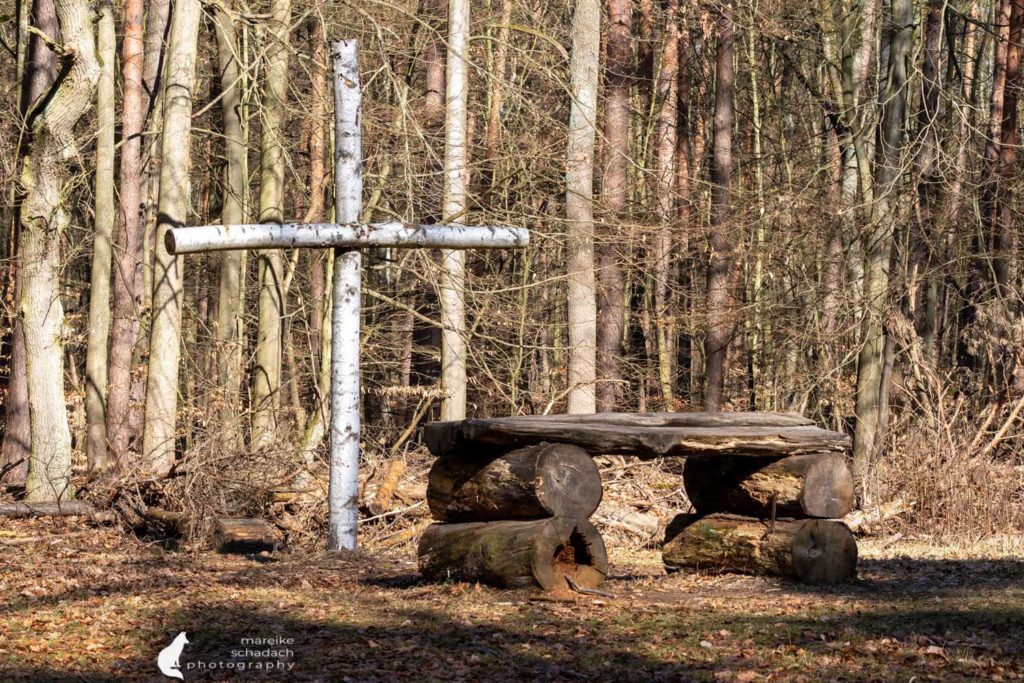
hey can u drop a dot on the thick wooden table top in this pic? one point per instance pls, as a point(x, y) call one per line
point(646, 435)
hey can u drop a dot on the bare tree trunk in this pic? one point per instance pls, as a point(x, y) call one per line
point(317, 183)
point(127, 281)
point(39, 71)
point(579, 205)
point(99, 288)
point(165, 343)
point(44, 216)
point(497, 102)
point(878, 246)
point(720, 258)
point(267, 379)
point(453, 263)
point(434, 58)
point(230, 292)
point(665, 199)
point(1002, 228)
point(619, 69)
point(926, 248)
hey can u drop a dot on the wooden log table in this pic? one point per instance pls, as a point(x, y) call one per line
point(766, 488)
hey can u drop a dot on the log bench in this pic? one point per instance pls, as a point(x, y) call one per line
point(512, 496)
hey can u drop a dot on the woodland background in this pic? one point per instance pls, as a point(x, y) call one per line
point(797, 206)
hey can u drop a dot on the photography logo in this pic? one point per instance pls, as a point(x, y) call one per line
point(168, 659)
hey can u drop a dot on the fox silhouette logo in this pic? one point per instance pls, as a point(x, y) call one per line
point(167, 660)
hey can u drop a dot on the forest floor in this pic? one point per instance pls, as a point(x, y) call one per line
point(92, 606)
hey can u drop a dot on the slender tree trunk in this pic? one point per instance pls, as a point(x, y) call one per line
point(127, 280)
point(1002, 229)
point(579, 205)
point(230, 292)
point(317, 181)
point(985, 267)
point(44, 216)
point(926, 250)
point(434, 59)
point(165, 343)
point(665, 199)
point(497, 102)
point(619, 69)
point(720, 258)
point(99, 289)
point(267, 379)
point(878, 245)
point(684, 169)
point(453, 263)
point(39, 70)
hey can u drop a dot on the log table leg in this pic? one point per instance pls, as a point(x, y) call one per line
point(515, 554)
point(815, 551)
point(547, 480)
point(806, 485)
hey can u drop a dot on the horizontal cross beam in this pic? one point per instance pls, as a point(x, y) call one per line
point(350, 236)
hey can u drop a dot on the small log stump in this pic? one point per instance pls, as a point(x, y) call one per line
point(515, 554)
point(243, 536)
point(815, 551)
point(547, 480)
point(808, 485)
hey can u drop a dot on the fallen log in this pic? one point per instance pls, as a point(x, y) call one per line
point(386, 483)
point(515, 554)
point(862, 521)
point(233, 535)
point(547, 480)
point(806, 485)
point(645, 525)
point(636, 435)
point(63, 508)
point(815, 551)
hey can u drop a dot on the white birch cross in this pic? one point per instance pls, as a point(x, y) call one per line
point(348, 236)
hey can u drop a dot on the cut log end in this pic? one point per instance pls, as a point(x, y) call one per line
point(814, 551)
point(824, 552)
point(546, 480)
point(516, 554)
point(575, 550)
point(805, 485)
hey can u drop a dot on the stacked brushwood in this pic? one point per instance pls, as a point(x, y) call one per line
point(515, 518)
point(767, 488)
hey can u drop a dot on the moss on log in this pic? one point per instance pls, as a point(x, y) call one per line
point(547, 480)
point(815, 551)
point(806, 485)
point(515, 554)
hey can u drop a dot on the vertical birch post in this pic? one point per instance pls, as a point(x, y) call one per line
point(453, 262)
point(343, 489)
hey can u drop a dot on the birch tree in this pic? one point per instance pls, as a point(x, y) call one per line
point(453, 262)
point(579, 206)
point(46, 178)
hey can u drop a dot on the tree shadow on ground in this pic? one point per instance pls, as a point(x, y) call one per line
point(926, 617)
point(537, 645)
